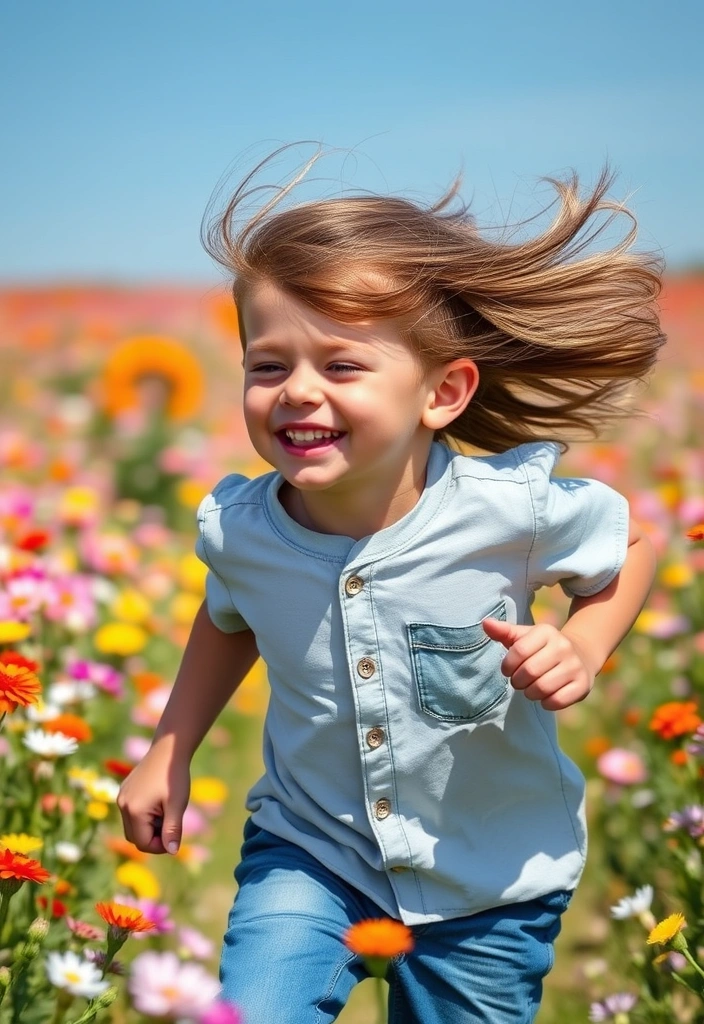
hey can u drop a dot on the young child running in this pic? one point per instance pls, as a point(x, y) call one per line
point(386, 578)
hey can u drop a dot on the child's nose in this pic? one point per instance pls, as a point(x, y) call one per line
point(302, 387)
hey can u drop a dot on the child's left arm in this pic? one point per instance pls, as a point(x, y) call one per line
point(558, 666)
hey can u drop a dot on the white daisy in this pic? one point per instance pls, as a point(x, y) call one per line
point(70, 691)
point(42, 712)
point(68, 853)
point(75, 975)
point(49, 744)
point(633, 906)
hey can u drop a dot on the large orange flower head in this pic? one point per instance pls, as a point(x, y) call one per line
point(377, 940)
point(163, 360)
point(123, 918)
point(675, 718)
point(18, 684)
point(70, 725)
point(16, 869)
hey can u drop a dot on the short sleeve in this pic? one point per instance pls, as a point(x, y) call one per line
point(209, 544)
point(581, 531)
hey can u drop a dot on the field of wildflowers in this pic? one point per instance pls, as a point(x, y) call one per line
point(119, 411)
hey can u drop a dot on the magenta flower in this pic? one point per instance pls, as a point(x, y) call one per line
point(70, 601)
point(105, 677)
point(157, 913)
point(622, 767)
point(161, 985)
point(221, 1013)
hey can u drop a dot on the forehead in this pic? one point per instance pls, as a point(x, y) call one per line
point(270, 316)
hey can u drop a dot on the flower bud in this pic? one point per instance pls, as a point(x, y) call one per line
point(38, 929)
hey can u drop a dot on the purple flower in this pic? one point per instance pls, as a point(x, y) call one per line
point(105, 677)
point(609, 1008)
point(696, 742)
point(691, 819)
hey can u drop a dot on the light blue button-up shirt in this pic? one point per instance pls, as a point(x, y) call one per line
point(395, 751)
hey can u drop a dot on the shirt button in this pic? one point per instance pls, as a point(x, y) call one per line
point(353, 585)
point(382, 809)
point(375, 737)
point(366, 668)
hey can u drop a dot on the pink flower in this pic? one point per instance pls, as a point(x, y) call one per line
point(105, 677)
point(221, 1013)
point(193, 821)
point(623, 767)
point(194, 943)
point(135, 748)
point(161, 985)
point(157, 913)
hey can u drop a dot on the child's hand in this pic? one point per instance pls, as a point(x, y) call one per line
point(152, 801)
point(545, 663)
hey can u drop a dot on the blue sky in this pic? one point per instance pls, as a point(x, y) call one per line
point(120, 118)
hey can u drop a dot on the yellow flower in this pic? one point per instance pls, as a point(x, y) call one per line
point(121, 638)
point(131, 606)
point(183, 608)
point(192, 573)
point(80, 778)
point(190, 493)
point(78, 506)
point(208, 790)
point(13, 632)
point(20, 842)
point(665, 931)
point(677, 575)
point(143, 882)
point(97, 810)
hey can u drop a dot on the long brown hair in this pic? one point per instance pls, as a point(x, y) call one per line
point(561, 333)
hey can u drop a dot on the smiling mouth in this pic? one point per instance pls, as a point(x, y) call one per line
point(309, 438)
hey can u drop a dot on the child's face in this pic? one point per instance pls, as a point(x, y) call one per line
point(331, 405)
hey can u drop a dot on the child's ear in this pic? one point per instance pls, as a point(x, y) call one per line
point(452, 388)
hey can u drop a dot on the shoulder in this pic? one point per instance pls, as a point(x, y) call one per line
point(234, 489)
point(527, 463)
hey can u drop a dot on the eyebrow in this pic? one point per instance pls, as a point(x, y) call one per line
point(328, 343)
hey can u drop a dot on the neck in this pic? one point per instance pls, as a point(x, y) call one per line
point(356, 512)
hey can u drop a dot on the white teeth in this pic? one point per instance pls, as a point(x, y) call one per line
point(311, 435)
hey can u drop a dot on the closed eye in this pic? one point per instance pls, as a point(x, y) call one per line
point(344, 368)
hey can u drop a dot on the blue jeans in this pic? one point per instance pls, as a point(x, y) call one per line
point(284, 960)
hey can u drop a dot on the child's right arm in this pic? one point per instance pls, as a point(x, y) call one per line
point(154, 795)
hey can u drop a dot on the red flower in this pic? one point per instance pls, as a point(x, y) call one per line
point(58, 909)
point(119, 768)
point(18, 685)
point(15, 869)
point(696, 533)
point(34, 540)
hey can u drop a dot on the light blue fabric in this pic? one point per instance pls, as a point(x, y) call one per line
point(395, 751)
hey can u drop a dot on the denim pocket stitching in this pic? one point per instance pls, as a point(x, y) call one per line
point(425, 692)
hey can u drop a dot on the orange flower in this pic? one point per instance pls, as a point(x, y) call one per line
point(123, 918)
point(124, 848)
point(379, 937)
point(18, 684)
point(70, 725)
point(15, 869)
point(696, 533)
point(675, 718)
point(679, 757)
point(145, 682)
point(596, 745)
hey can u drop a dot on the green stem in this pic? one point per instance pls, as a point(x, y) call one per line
point(380, 998)
point(693, 962)
point(63, 1001)
point(685, 984)
point(4, 907)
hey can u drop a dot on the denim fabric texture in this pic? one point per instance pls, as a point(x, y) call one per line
point(395, 752)
point(284, 959)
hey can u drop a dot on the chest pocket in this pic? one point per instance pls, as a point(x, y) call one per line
point(457, 669)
